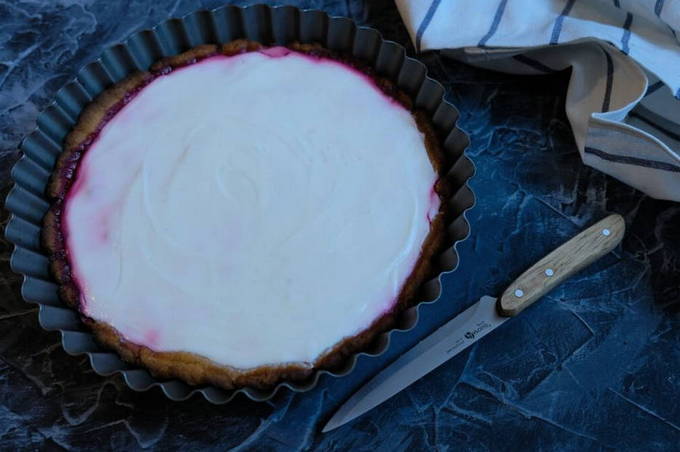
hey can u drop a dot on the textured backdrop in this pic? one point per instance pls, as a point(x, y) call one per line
point(595, 365)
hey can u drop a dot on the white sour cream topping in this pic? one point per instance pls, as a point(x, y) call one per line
point(254, 209)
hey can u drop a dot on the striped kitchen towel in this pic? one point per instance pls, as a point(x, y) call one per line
point(623, 100)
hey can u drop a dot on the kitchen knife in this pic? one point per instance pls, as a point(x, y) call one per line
point(483, 317)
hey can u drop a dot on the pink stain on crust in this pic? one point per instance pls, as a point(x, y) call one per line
point(434, 204)
point(79, 182)
point(101, 227)
point(151, 338)
point(275, 52)
point(101, 222)
point(76, 187)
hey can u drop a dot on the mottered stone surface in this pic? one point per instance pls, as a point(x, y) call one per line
point(595, 365)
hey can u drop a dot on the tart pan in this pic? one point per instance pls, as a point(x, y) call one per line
point(28, 204)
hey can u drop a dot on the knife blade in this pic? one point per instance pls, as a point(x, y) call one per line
point(482, 317)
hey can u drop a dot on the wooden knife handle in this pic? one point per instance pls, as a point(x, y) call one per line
point(553, 269)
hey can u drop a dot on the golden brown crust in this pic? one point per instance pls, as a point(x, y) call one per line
point(190, 367)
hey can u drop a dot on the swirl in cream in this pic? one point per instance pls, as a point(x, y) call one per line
point(253, 209)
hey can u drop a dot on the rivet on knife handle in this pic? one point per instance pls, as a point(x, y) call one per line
point(569, 258)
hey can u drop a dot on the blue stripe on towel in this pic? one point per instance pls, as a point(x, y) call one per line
point(655, 164)
point(557, 28)
point(626, 33)
point(658, 7)
point(660, 127)
point(675, 34)
point(653, 88)
point(610, 79)
point(426, 22)
point(494, 25)
point(534, 64)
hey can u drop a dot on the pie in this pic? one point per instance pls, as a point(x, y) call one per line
point(242, 215)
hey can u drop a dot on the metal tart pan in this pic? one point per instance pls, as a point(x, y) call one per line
point(28, 203)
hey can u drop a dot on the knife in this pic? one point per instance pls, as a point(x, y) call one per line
point(483, 317)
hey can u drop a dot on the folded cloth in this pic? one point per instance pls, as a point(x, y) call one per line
point(623, 99)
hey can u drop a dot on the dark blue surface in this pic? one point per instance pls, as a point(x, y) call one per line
point(595, 365)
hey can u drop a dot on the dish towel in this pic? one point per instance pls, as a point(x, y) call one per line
point(623, 99)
